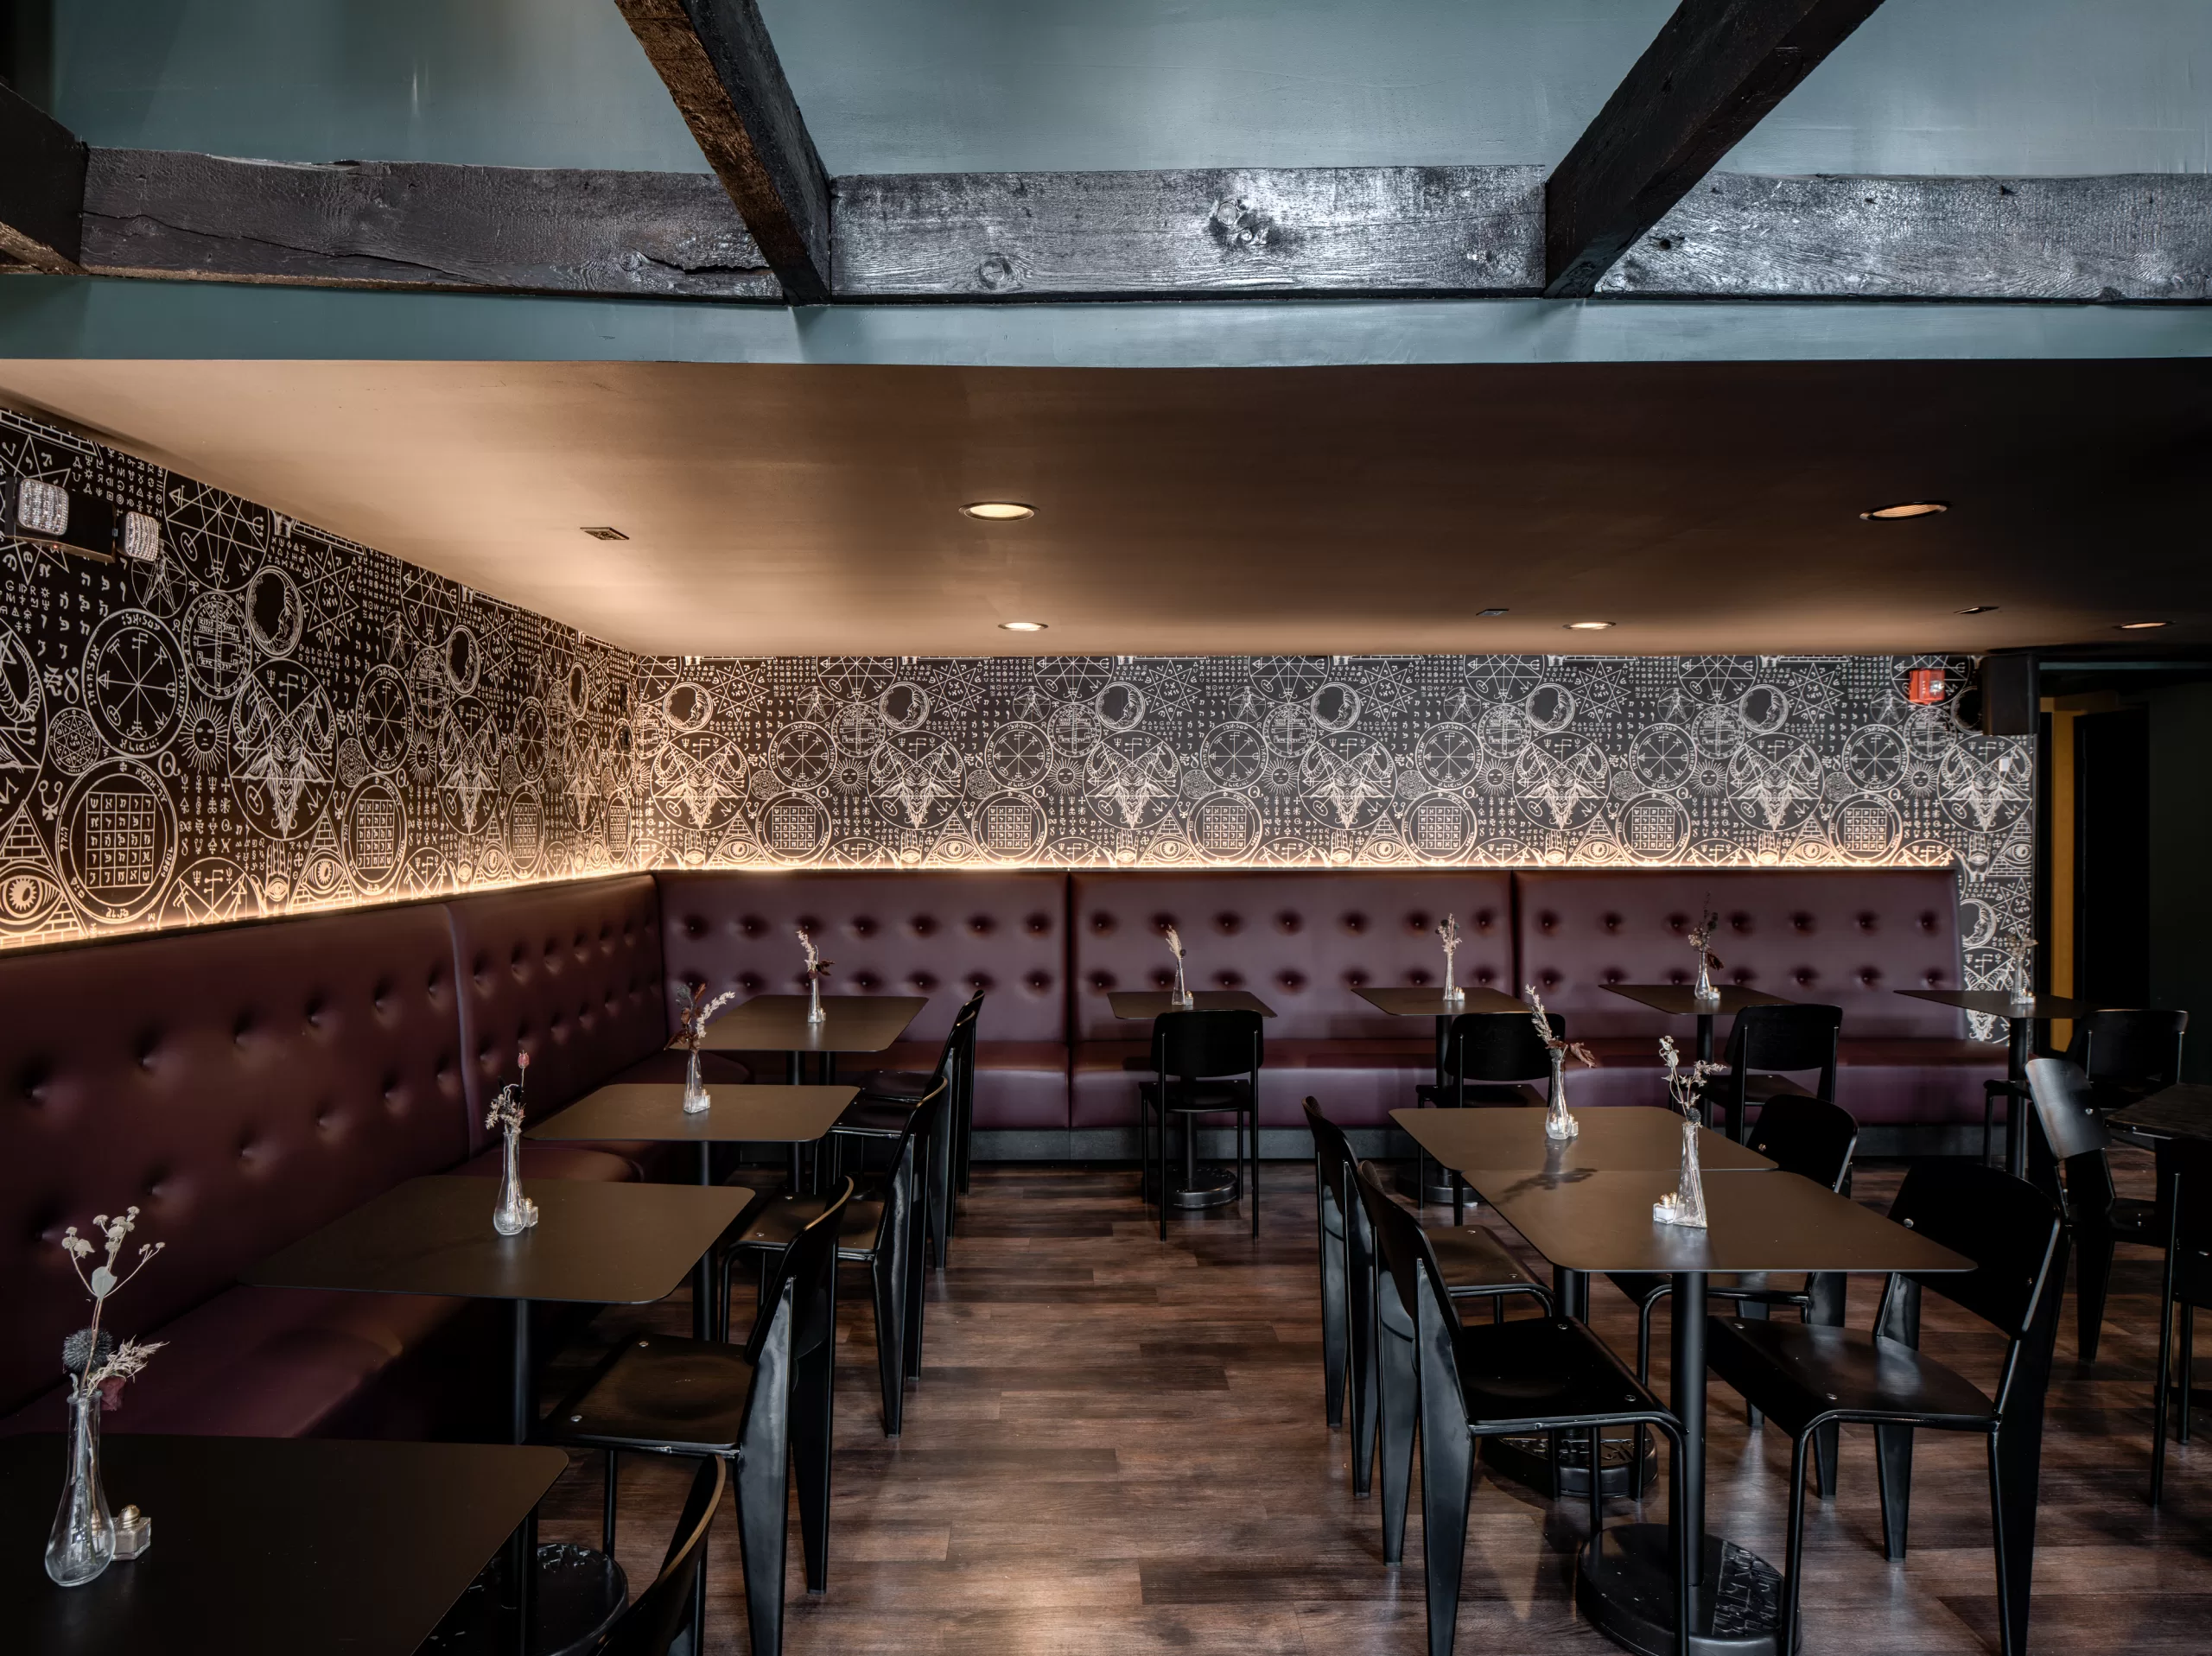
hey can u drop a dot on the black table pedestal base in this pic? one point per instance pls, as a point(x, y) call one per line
point(580, 1591)
point(1528, 1462)
point(1624, 1584)
point(1204, 1186)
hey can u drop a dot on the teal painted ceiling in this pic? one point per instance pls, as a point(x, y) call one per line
point(902, 85)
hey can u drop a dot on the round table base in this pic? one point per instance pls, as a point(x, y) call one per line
point(1625, 1582)
point(1527, 1460)
point(580, 1591)
point(1209, 1187)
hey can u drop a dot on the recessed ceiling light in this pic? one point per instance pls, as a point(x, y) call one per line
point(1482, 613)
point(1978, 609)
point(1021, 626)
point(1587, 626)
point(999, 511)
point(2140, 626)
point(1905, 509)
point(604, 532)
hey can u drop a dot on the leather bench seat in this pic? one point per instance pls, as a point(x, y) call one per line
point(1359, 1081)
point(1018, 1083)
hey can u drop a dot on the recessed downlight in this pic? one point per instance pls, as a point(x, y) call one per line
point(1587, 626)
point(604, 532)
point(1904, 511)
point(999, 511)
point(2140, 626)
point(1484, 614)
point(1978, 609)
point(1021, 626)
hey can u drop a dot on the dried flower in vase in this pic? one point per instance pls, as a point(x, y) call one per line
point(1447, 933)
point(513, 1213)
point(694, 1012)
point(1557, 1124)
point(1685, 1205)
point(1700, 937)
point(2019, 956)
point(90, 1356)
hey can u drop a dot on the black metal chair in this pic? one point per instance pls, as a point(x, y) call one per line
point(1532, 1374)
point(764, 1404)
point(880, 1112)
point(1766, 1046)
point(2072, 1165)
point(2127, 1052)
point(1806, 1376)
point(675, 1606)
point(2185, 1183)
point(1474, 1265)
point(1489, 1058)
point(882, 1229)
point(1814, 1140)
point(1203, 1063)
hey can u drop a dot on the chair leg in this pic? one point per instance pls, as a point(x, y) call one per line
point(1401, 1398)
point(1252, 1130)
point(1359, 1321)
point(1643, 1375)
point(1989, 1123)
point(2092, 1281)
point(2164, 1389)
point(1596, 1451)
point(606, 1510)
point(914, 1302)
point(1447, 1467)
point(2188, 1369)
point(889, 1276)
point(1793, 1563)
point(763, 1532)
point(1828, 1290)
point(1752, 1310)
point(1336, 1327)
point(2015, 1465)
point(940, 1190)
point(1893, 1466)
point(813, 1400)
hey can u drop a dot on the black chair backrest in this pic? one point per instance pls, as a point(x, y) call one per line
point(2061, 1093)
point(1498, 1047)
point(1201, 1046)
point(921, 1124)
point(959, 1040)
point(1809, 1137)
point(1408, 1263)
point(802, 1296)
point(2140, 1045)
point(656, 1616)
point(1333, 1159)
point(2009, 1229)
point(1786, 1038)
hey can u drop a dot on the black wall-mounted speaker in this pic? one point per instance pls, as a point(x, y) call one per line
point(2008, 696)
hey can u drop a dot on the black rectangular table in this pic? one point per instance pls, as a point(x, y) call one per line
point(1680, 1001)
point(1625, 1137)
point(266, 1546)
point(2020, 1025)
point(1142, 1005)
point(778, 1023)
point(653, 1111)
point(2178, 1111)
point(1587, 1221)
point(1406, 1001)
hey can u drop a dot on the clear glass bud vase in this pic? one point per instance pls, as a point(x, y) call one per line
point(1454, 995)
point(1702, 991)
point(1557, 1124)
point(514, 1212)
point(2024, 984)
point(814, 1013)
point(695, 1089)
point(1183, 995)
point(82, 1543)
point(1686, 1206)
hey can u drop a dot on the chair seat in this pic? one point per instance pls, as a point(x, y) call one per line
point(2134, 1216)
point(1761, 1085)
point(1801, 1373)
point(1482, 1093)
point(1201, 1097)
point(661, 1392)
point(900, 1085)
point(1537, 1369)
point(1475, 1262)
point(771, 1226)
point(872, 1118)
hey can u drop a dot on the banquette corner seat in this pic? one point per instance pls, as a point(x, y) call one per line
point(1302, 943)
point(1848, 938)
point(242, 1087)
point(945, 934)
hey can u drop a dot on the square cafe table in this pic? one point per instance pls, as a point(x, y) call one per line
point(778, 1023)
point(266, 1546)
point(1680, 1001)
point(653, 1111)
point(1590, 1220)
point(1204, 1185)
point(1407, 1001)
point(2178, 1111)
point(592, 1244)
point(2020, 1024)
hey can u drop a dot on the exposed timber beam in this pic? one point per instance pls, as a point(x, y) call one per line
point(1218, 234)
point(1715, 69)
point(720, 68)
point(415, 225)
point(42, 187)
point(2139, 238)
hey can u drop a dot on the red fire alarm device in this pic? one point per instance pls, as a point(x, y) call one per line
point(1924, 686)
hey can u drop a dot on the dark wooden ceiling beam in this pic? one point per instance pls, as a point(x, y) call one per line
point(418, 225)
point(1715, 69)
point(717, 61)
point(42, 187)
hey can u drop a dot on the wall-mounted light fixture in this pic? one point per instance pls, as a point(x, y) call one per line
point(33, 510)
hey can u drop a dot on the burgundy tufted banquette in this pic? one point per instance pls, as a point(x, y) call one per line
point(941, 934)
point(1302, 943)
point(242, 1087)
point(573, 974)
point(1847, 939)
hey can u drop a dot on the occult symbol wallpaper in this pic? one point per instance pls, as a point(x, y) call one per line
point(1320, 761)
point(269, 719)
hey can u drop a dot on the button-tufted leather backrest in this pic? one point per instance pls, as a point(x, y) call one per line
point(941, 933)
point(572, 973)
point(1847, 938)
point(1301, 942)
point(242, 1087)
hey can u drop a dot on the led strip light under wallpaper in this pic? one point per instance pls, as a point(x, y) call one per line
point(268, 719)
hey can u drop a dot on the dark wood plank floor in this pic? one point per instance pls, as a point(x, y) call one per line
point(1117, 1446)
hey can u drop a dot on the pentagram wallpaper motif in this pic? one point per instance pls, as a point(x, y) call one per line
point(271, 719)
point(1391, 761)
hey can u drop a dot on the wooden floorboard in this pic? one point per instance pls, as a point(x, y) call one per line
point(1117, 1446)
